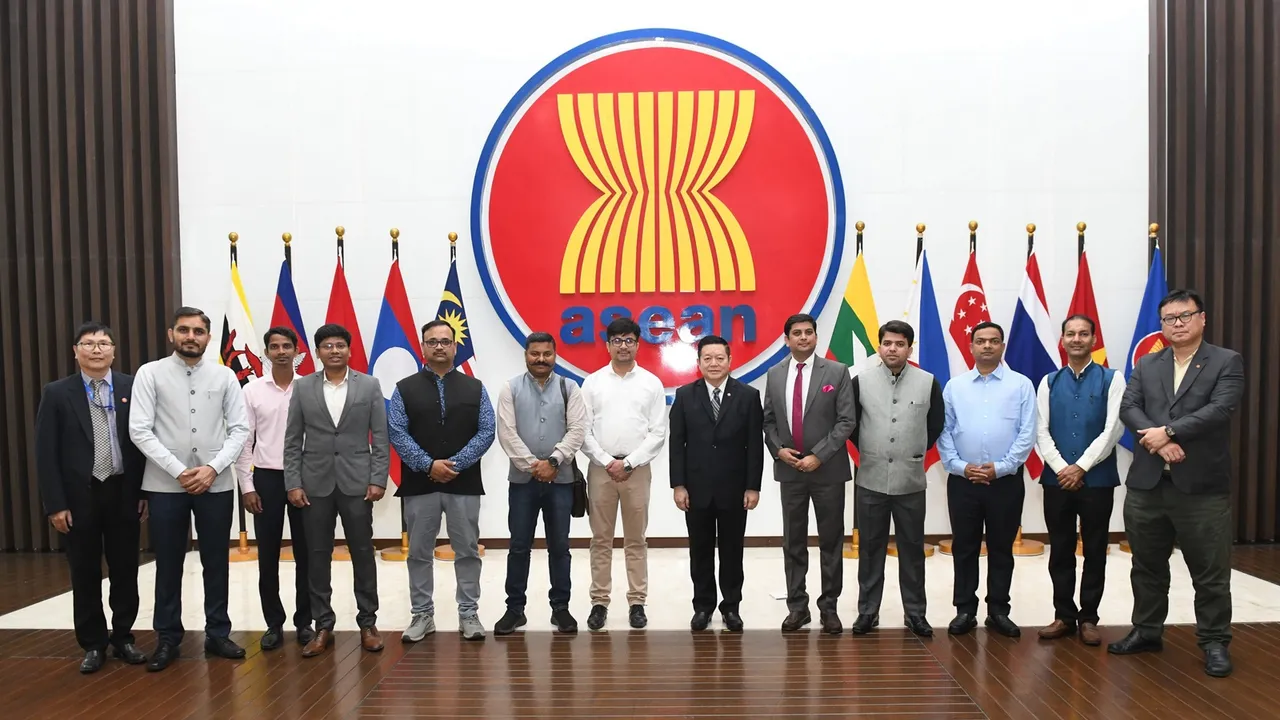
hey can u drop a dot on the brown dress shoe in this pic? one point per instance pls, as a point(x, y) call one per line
point(1059, 629)
point(370, 639)
point(1089, 634)
point(318, 644)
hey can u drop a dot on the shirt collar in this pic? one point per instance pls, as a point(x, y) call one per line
point(1082, 372)
point(721, 386)
point(889, 373)
point(807, 363)
point(997, 374)
point(178, 359)
point(345, 378)
point(1189, 357)
point(271, 380)
point(88, 379)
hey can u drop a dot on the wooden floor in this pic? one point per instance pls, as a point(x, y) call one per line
point(758, 674)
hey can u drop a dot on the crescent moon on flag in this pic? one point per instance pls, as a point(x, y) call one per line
point(450, 297)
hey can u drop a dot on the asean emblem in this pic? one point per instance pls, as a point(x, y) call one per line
point(1150, 344)
point(665, 176)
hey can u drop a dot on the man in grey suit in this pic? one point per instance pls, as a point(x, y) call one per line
point(808, 415)
point(332, 470)
point(1179, 402)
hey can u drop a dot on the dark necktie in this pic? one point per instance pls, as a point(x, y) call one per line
point(715, 403)
point(102, 462)
point(797, 410)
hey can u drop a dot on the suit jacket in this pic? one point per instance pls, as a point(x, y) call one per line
point(1199, 414)
point(829, 419)
point(64, 445)
point(319, 457)
point(717, 460)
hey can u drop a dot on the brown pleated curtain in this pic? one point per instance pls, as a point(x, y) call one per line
point(88, 208)
point(1215, 190)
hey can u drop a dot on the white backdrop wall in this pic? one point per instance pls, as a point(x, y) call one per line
point(300, 116)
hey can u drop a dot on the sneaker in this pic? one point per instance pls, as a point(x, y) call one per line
point(420, 626)
point(599, 613)
point(509, 622)
point(638, 620)
point(564, 622)
point(471, 628)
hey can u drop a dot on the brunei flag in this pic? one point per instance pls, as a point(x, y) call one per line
point(241, 349)
point(452, 311)
point(851, 340)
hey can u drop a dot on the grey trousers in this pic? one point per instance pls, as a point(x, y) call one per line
point(321, 518)
point(828, 505)
point(874, 510)
point(462, 515)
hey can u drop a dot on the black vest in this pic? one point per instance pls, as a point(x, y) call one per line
point(441, 437)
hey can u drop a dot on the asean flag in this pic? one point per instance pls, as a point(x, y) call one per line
point(395, 354)
point(1033, 342)
point(286, 314)
point(1147, 337)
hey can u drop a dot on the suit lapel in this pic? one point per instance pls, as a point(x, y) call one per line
point(726, 399)
point(1193, 372)
point(1166, 374)
point(121, 402)
point(815, 383)
point(778, 378)
point(80, 406)
point(320, 398)
point(704, 400)
point(352, 389)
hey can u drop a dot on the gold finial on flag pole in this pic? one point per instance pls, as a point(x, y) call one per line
point(453, 238)
point(233, 237)
point(919, 228)
point(395, 233)
point(1031, 228)
point(1153, 230)
point(287, 238)
point(1080, 227)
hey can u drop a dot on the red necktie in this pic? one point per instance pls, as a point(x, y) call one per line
point(797, 409)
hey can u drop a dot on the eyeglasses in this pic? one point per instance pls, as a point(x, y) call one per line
point(622, 342)
point(437, 343)
point(1185, 317)
point(334, 346)
point(103, 345)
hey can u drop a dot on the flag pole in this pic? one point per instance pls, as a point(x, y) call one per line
point(1080, 227)
point(243, 552)
point(1153, 242)
point(341, 553)
point(286, 551)
point(400, 553)
point(1027, 548)
point(851, 547)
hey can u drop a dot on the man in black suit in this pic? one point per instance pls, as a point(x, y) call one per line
point(1179, 402)
point(90, 481)
point(717, 460)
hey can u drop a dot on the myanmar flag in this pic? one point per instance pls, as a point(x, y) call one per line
point(851, 341)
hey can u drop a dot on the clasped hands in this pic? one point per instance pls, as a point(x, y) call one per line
point(1156, 440)
point(980, 474)
point(750, 499)
point(805, 463)
point(298, 497)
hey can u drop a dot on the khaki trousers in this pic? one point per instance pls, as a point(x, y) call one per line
point(606, 496)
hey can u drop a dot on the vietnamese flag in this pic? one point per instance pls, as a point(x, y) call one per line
point(343, 312)
point(1083, 303)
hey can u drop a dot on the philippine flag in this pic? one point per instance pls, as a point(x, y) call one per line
point(1033, 342)
point(930, 350)
point(286, 314)
point(396, 355)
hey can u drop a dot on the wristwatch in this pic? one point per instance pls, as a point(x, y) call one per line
point(555, 463)
point(626, 465)
point(1168, 431)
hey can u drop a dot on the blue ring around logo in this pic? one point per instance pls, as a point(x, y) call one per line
point(626, 36)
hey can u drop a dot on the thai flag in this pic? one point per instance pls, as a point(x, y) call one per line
point(930, 350)
point(452, 311)
point(286, 314)
point(1033, 341)
point(396, 353)
point(1147, 337)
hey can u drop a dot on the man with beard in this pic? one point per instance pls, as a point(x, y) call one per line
point(541, 424)
point(261, 472)
point(441, 425)
point(195, 407)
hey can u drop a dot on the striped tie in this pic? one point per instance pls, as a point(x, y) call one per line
point(103, 465)
point(715, 403)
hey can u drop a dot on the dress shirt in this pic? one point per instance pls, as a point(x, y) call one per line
point(335, 396)
point(576, 416)
point(711, 389)
point(1180, 368)
point(790, 390)
point(267, 408)
point(990, 419)
point(107, 399)
point(185, 417)
point(1101, 446)
point(418, 459)
point(628, 416)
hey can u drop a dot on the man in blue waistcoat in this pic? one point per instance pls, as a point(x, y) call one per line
point(1078, 425)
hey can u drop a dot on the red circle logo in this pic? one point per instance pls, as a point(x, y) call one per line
point(663, 176)
point(1150, 344)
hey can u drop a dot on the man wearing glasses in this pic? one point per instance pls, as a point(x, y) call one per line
point(441, 425)
point(90, 482)
point(1179, 403)
point(628, 428)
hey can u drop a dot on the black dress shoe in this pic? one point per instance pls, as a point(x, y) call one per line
point(306, 635)
point(564, 621)
point(272, 639)
point(1134, 643)
point(129, 653)
point(961, 624)
point(701, 619)
point(223, 648)
point(638, 619)
point(918, 625)
point(796, 619)
point(831, 624)
point(1217, 661)
point(163, 657)
point(599, 613)
point(508, 623)
point(92, 662)
point(732, 621)
point(864, 623)
point(1003, 625)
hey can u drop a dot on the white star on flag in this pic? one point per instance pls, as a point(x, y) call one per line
point(961, 314)
point(971, 301)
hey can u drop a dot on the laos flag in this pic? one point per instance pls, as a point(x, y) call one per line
point(397, 352)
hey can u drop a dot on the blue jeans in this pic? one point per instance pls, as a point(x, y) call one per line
point(171, 515)
point(525, 500)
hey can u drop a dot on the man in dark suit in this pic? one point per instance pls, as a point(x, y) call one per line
point(1179, 402)
point(90, 481)
point(717, 459)
point(809, 413)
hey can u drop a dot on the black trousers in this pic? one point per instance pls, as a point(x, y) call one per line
point(268, 526)
point(828, 505)
point(357, 525)
point(998, 508)
point(874, 510)
point(1092, 505)
point(106, 524)
point(1153, 520)
point(170, 527)
point(709, 528)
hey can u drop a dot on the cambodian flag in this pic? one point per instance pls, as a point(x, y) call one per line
point(930, 350)
point(396, 351)
point(451, 310)
point(1033, 341)
point(286, 314)
point(1147, 337)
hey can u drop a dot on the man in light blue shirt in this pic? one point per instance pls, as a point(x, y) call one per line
point(989, 432)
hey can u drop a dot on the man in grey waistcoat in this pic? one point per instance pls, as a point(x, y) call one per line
point(900, 416)
point(542, 421)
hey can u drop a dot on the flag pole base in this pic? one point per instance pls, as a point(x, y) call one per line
point(243, 553)
point(445, 553)
point(341, 553)
point(1026, 548)
point(1124, 546)
point(286, 554)
point(944, 547)
point(892, 550)
point(1080, 547)
point(398, 554)
point(851, 547)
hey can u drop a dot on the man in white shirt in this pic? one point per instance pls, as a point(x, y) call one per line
point(629, 426)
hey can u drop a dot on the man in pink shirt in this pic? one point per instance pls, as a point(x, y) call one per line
point(267, 405)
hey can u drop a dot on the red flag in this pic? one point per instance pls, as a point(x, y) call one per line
point(971, 309)
point(343, 312)
point(1083, 303)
